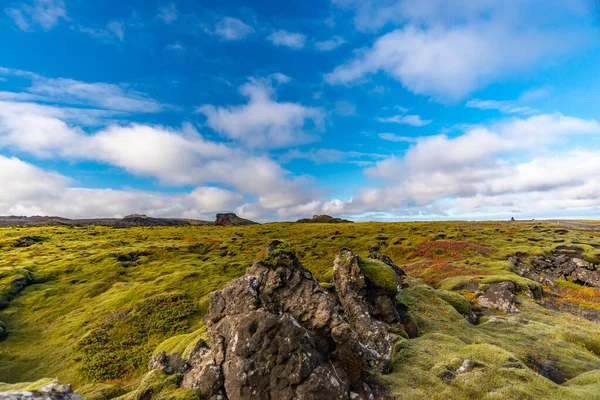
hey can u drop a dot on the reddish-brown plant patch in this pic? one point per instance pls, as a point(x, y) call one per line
point(432, 272)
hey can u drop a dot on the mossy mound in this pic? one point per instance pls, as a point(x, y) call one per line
point(25, 386)
point(181, 344)
point(121, 345)
point(101, 391)
point(157, 385)
point(379, 274)
point(460, 303)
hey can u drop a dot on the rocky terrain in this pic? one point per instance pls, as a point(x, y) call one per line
point(323, 219)
point(230, 219)
point(370, 311)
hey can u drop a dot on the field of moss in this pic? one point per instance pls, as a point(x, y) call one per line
point(89, 305)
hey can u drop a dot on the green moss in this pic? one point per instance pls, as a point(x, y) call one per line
point(80, 287)
point(279, 254)
point(156, 385)
point(25, 386)
point(460, 304)
point(121, 345)
point(181, 344)
point(379, 274)
point(100, 391)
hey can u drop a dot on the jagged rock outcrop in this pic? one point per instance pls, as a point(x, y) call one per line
point(324, 219)
point(559, 265)
point(275, 333)
point(52, 391)
point(230, 219)
point(501, 296)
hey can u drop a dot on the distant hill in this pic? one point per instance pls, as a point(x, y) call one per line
point(324, 219)
point(224, 219)
point(230, 219)
point(128, 221)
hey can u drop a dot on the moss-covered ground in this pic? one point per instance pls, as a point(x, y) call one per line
point(98, 301)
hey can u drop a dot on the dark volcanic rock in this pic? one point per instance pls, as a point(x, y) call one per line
point(275, 333)
point(351, 288)
point(564, 263)
point(501, 296)
point(324, 219)
point(230, 219)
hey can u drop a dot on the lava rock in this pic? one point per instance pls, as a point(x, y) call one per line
point(501, 296)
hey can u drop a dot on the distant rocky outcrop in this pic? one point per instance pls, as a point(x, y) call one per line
point(144, 220)
point(564, 263)
point(128, 221)
point(324, 219)
point(275, 333)
point(230, 219)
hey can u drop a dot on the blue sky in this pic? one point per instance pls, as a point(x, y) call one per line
point(373, 110)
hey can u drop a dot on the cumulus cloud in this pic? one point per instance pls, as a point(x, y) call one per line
point(174, 157)
point(448, 49)
point(264, 121)
point(213, 199)
point(233, 29)
point(482, 169)
point(33, 191)
point(287, 39)
point(43, 13)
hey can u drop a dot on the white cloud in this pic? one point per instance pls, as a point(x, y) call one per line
point(174, 157)
point(34, 191)
point(69, 91)
point(412, 120)
point(116, 28)
point(168, 13)
point(263, 121)
point(43, 13)
point(233, 29)
point(331, 44)
point(213, 199)
point(287, 39)
point(448, 49)
point(487, 171)
point(113, 31)
point(392, 137)
point(506, 107)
